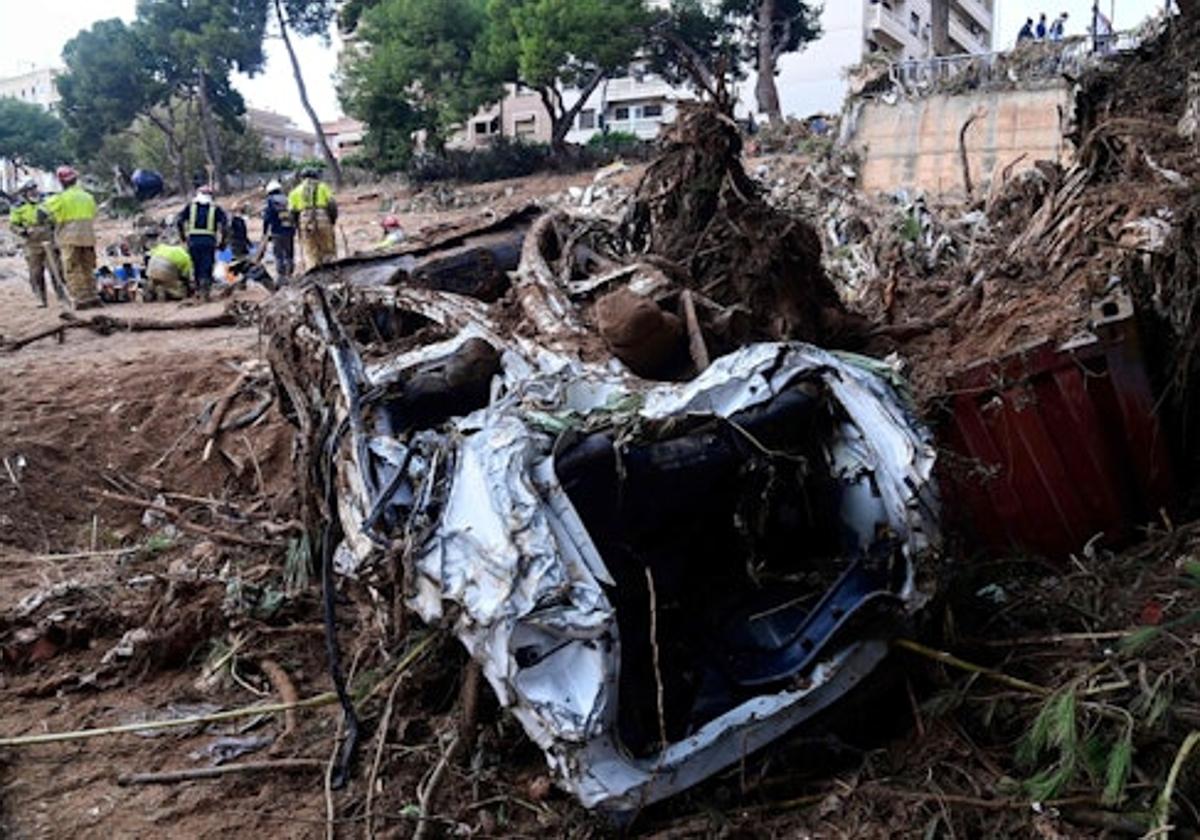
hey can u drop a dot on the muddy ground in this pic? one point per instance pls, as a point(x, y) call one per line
point(214, 591)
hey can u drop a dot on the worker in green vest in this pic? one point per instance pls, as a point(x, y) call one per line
point(169, 272)
point(314, 212)
point(35, 232)
point(203, 226)
point(73, 212)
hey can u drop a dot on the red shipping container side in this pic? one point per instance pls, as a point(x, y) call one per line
point(1063, 443)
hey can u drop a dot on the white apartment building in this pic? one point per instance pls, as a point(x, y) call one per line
point(281, 137)
point(811, 81)
point(814, 81)
point(37, 88)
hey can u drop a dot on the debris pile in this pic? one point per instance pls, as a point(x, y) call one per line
point(705, 223)
point(1029, 258)
point(508, 466)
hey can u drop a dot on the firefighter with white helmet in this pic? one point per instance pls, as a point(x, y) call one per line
point(203, 226)
point(280, 228)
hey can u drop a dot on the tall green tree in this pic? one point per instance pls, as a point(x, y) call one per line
point(106, 83)
point(308, 18)
point(413, 72)
point(547, 45)
point(110, 79)
point(29, 135)
point(712, 43)
point(196, 46)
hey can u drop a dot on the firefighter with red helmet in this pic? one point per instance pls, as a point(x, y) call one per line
point(73, 213)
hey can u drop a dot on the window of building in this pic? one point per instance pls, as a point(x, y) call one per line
point(621, 114)
point(651, 111)
point(481, 128)
point(587, 119)
point(914, 23)
point(525, 126)
point(872, 47)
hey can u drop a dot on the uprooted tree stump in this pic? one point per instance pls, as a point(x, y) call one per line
point(706, 224)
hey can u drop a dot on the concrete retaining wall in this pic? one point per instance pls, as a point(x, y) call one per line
point(914, 144)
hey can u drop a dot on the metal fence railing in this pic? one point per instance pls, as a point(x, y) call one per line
point(1047, 60)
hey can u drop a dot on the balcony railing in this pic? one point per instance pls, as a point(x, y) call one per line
point(1041, 61)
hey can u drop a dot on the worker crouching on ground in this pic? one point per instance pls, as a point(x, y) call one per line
point(314, 213)
point(169, 273)
point(278, 225)
point(36, 234)
point(393, 233)
point(204, 226)
point(73, 212)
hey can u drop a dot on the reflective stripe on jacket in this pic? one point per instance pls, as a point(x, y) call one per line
point(202, 224)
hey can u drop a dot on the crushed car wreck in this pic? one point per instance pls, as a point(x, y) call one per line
point(656, 577)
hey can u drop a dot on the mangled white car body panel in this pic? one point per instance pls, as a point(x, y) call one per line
point(508, 562)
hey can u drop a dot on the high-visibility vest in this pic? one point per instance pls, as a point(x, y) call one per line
point(74, 204)
point(23, 215)
point(176, 256)
point(73, 210)
point(209, 228)
point(309, 195)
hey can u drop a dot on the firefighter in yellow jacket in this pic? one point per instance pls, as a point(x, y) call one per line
point(35, 232)
point(73, 212)
point(314, 213)
point(169, 272)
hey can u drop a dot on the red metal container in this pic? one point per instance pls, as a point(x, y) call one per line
point(1063, 442)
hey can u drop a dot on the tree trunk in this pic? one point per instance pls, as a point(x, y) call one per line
point(560, 124)
point(173, 150)
point(939, 27)
point(332, 162)
point(212, 148)
point(702, 75)
point(765, 90)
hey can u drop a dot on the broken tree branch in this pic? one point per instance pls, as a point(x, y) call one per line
point(107, 325)
point(212, 429)
point(696, 347)
point(658, 680)
point(286, 691)
point(184, 525)
point(950, 659)
point(962, 153)
point(326, 699)
point(168, 777)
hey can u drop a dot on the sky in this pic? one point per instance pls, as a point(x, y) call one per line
point(57, 21)
point(33, 32)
